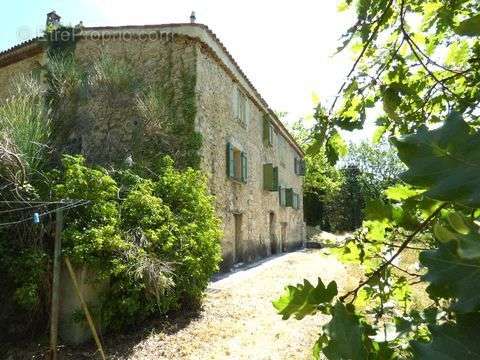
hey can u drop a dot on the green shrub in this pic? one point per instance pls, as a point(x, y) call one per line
point(158, 245)
point(181, 225)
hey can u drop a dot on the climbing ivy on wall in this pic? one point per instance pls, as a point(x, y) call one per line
point(168, 107)
point(64, 81)
point(165, 105)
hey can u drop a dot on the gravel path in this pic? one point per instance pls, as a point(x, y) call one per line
point(237, 320)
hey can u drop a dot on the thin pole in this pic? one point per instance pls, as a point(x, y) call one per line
point(56, 284)
point(85, 308)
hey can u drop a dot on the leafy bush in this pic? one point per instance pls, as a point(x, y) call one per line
point(156, 242)
point(158, 246)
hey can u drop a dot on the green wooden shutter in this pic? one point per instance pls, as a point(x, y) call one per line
point(270, 134)
point(270, 177)
point(244, 164)
point(266, 127)
point(289, 197)
point(295, 166)
point(267, 177)
point(230, 161)
point(275, 179)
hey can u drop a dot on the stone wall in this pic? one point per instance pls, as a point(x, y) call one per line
point(107, 128)
point(111, 126)
point(10, 72)
point(216, 121)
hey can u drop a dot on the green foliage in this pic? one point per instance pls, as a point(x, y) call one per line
point(446, 160)
point(168, 108)
point(401, 192)
point(451, 340)
point(28, 280)
point(450, 276)
point(335, 148)
point(418, 61)
point(348, 336)
point(158, 246)
point(322, 180)
point(114, 76)
point(462, 230)
point(152, 242)
point(378, 163)
point(302, 300)
point(469, 27)
point(345, 208)
point(365, 172)
point(24, 131)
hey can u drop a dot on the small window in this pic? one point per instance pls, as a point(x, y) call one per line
point(237, 165)
point(241, 107)
point(268, 131)
point(289, 194)
point(270, 177)
point(299, 166)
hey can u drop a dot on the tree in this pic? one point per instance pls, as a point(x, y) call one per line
point(420, 61)
point(378, 165)
point(322, 179)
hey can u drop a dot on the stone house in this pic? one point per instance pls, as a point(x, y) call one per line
point(254, 166)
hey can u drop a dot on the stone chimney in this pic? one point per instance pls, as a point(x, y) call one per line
point(53, 19)
point(193, 18)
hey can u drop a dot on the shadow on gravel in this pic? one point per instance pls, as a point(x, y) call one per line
point(117, 346)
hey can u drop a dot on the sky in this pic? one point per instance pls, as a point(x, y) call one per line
point(286, 48)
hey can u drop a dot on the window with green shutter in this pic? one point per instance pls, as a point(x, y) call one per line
point(289, 197)
point(268, 131)
point(237, 164)
point(282, 196)
point(275, 179)
point(270, 177)
point(243, 159)
point(230, 161)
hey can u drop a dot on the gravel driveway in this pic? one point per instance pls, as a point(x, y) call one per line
point(238, 321)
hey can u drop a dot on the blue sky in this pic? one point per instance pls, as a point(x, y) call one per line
point(284, 47)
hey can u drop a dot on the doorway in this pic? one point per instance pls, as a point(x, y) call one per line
point(273, 238)
point(284, 236)
point(238, 237)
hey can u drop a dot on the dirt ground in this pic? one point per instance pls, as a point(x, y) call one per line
point(237, 319)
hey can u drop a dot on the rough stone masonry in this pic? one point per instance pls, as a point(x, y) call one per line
point(253, 164)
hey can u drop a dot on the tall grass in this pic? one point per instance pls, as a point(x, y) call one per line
point(66, 78)
point(24, 130)
point(113, 75)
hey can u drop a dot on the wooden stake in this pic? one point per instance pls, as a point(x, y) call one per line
point(85, 308)
point(56, 284)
